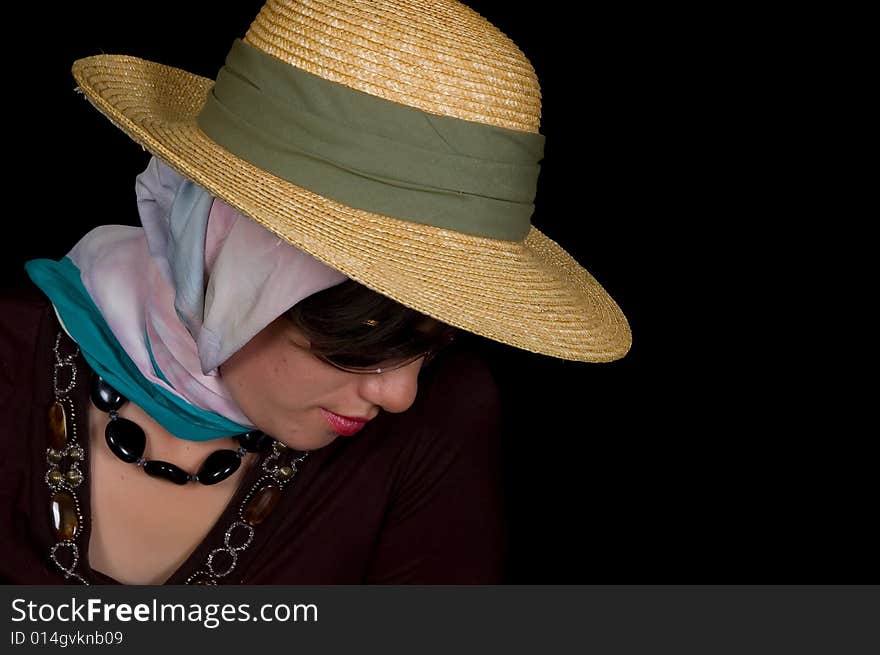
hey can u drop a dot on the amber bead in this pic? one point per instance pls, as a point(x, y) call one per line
point(285, 472)
point(261, 505)
point(64, 518)
point(74, 477)
point(53, 456)
point(56, 477)
point(57, 427)
point(76, 452)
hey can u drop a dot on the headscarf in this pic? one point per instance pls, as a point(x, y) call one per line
point(156, 310)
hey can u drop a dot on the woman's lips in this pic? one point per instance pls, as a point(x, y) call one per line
point(342, 424)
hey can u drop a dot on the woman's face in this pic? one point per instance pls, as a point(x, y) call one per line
point(282, 387)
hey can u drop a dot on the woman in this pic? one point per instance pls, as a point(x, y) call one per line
point(355, 186)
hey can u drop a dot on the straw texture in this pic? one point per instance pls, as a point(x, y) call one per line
point(440, 57)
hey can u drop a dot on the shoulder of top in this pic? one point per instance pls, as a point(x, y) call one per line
point(27, 294)
point(25, 316)
point(22, 303)
point(22, 313)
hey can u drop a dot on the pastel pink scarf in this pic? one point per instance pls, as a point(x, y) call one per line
point(193, 285)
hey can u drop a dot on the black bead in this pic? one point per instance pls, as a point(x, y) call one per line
point(255, 441)
point(219, 466)
point(126, 439)
point(166, 471)
point(105, 397)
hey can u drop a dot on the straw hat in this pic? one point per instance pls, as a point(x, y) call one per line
point(343, 126)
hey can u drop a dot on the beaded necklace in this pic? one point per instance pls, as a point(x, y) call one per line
point(66, 461)
point(127, 441)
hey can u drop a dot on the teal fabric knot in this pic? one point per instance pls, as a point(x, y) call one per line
point(62, 283)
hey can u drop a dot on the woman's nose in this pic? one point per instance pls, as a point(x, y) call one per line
point(393, 390)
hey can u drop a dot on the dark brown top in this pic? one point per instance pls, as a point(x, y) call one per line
point(414, 498)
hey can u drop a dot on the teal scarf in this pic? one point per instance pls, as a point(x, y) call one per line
point(62, 283)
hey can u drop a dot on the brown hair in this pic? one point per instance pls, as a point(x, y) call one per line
point(357, 326)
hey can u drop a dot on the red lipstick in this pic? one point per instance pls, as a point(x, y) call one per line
point(344, 425)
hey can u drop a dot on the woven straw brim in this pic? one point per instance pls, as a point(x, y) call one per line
point(531, 295)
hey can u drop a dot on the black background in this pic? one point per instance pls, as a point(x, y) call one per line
point(689, 461)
